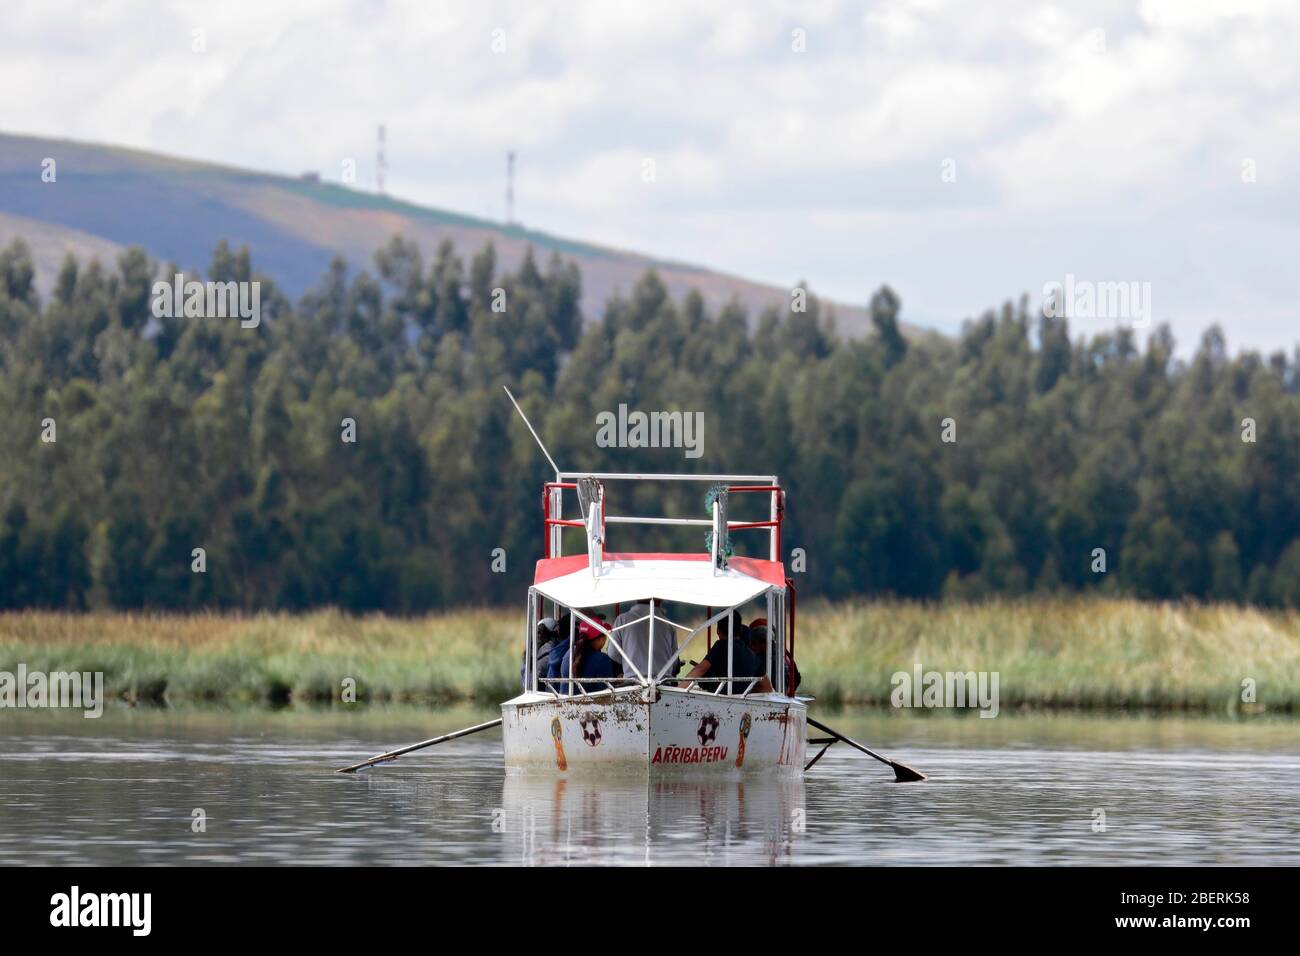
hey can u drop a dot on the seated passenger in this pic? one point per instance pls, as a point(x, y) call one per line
point(757, 641)
point(634, 639)
point(551, 667)
point(589, 660)
point(758, 644)
point(745, 666)
point(548, 633)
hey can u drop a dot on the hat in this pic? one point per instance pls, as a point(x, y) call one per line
point(758, 622)
point(587, 632)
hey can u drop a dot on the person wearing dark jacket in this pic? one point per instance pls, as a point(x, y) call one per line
point(758, 645)
point(548, 634)
point(745, 666)
point(589, 660)
point(557, 665)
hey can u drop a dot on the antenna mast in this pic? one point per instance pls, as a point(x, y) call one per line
point(381, 163)
point(554, 466)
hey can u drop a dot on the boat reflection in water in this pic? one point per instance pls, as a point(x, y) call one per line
point(549, 820)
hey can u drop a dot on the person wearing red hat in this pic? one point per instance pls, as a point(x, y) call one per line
point(589, 660)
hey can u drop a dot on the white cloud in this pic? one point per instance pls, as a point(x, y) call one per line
point(1111, 137)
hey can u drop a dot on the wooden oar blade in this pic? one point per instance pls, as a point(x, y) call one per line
point(902, 772)
point(905, 774)
point(365, 764)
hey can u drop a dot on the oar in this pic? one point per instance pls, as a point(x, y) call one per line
point(902, 772)
point(394, 754)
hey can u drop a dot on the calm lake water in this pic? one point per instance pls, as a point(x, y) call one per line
point(1017, 789)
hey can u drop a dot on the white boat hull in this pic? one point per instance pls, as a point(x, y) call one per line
point(677, 732)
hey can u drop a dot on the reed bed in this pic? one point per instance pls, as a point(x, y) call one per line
point(1063, 654)
point(1048, 653)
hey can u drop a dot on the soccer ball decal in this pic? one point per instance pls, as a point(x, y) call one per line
point(708, 731)
point(590, 725)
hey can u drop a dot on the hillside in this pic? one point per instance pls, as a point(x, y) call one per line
point(107, 198)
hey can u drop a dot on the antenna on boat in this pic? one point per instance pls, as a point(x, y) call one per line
point(554, 466)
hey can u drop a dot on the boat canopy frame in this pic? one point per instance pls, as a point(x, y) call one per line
point(594, 522)
point(571, 686)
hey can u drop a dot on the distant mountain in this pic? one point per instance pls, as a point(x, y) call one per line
point(107, 198)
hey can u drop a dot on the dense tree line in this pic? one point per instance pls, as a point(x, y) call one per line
point(127, 441)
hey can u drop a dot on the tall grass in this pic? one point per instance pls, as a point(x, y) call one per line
point(1048, 653)
point(274, 658)
point(1062, 653)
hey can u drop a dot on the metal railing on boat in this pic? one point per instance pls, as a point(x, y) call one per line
point(630, 683)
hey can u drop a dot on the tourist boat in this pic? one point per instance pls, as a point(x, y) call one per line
point(659, 721)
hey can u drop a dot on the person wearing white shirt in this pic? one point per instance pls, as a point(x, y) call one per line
point(635, 640)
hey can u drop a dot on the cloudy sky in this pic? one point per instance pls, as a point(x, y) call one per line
point(965, 153)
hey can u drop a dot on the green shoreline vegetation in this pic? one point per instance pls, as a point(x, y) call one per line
point(1056, 654)
point(356, 449)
